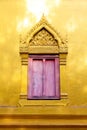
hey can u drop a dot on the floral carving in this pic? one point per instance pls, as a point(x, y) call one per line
point(43, 38)
point(42, 34)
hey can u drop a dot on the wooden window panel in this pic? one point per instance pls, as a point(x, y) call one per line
point(49, 82)
point(44, 82)
point(37, 82)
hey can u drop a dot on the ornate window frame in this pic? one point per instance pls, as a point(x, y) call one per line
point(33, 43)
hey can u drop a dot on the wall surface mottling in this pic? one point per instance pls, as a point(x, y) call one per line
point(69, 18)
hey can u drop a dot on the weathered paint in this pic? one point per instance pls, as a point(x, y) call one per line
point(49, 87)
point(44, 77)
point(37, 78)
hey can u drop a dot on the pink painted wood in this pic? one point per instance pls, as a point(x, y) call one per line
point(37, 78)
point(43, 77)
point(49, 87)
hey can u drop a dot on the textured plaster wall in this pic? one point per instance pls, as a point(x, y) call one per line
point(66, 16)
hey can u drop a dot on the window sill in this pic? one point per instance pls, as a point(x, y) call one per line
point(43, 102)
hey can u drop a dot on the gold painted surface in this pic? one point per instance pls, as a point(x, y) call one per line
point(42, 39)
point(69, 18)
point(24, 80)
point(43, 49)
point(42, 35)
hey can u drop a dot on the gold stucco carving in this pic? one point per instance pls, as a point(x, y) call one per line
point(42, 34)
point(43, 38)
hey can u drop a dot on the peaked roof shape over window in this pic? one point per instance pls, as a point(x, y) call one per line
point(38, 29)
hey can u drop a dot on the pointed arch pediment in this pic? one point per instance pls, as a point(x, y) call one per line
point(43, 26)
point(42, 36)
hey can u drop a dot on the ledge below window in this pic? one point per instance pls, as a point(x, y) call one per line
point(63, 101)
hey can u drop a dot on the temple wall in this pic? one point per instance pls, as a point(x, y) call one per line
point(70, 18)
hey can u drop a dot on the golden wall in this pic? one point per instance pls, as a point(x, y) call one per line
point(67, 17)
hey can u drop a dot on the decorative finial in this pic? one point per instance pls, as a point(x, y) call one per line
point(43, 15)
point(43, 18)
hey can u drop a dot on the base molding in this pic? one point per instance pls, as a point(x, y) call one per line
point(42, 121)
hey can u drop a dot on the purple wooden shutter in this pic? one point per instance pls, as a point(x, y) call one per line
point(35, 70)
point(49, 83)
point(43, 78)
point(37, 77)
